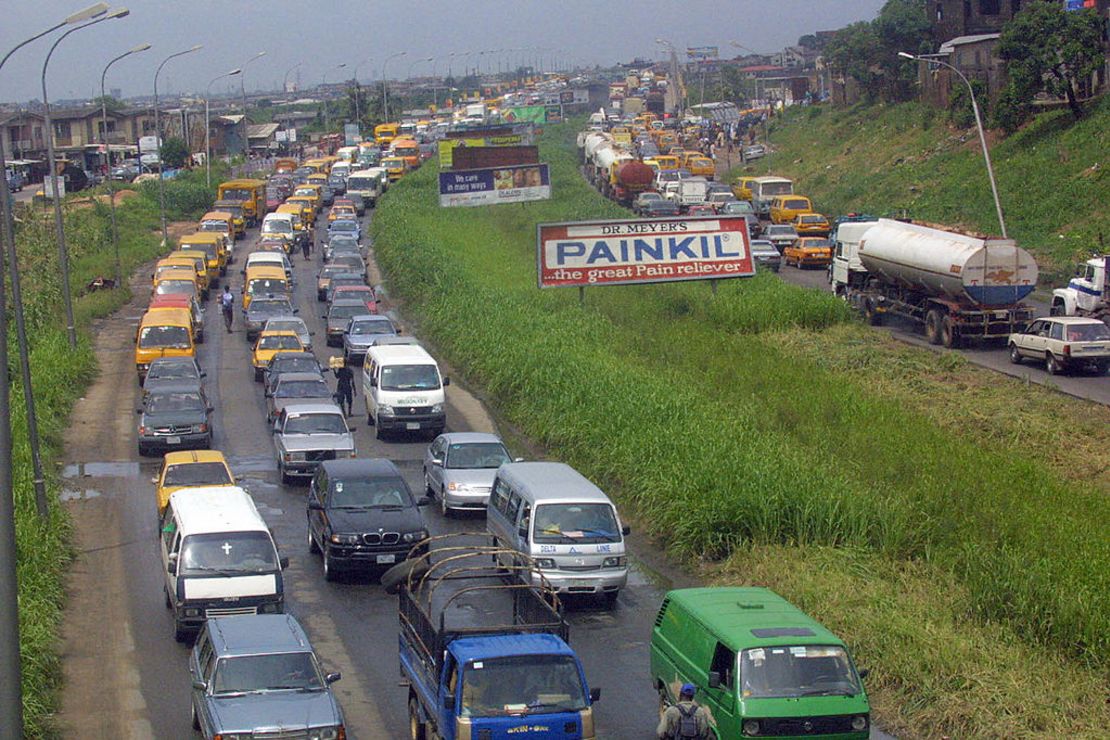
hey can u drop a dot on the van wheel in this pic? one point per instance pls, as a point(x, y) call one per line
point(417, 729)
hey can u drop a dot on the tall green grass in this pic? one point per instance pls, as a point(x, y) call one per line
point(59, 376)
point(682, 404)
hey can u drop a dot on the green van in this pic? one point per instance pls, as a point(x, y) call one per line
point(762, 667)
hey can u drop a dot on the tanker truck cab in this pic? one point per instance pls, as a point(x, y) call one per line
point(1088, 293)
point(550, 512)
point(218, 558)
point(505, 671)
point(760, 665)
point(847, 271)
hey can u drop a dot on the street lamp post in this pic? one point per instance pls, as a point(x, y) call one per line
point(385, 85)
point(408, 77)
point(158, 138)
point(324, 94)
point(208, 126)
point(978, 125)
point(63, 252)
point(108, 155)
point(11, 697)
point(242, 80)
point(285, 79)
point(358, 87)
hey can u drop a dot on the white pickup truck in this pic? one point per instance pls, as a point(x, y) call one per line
point(689, 191)
point(1088, 293)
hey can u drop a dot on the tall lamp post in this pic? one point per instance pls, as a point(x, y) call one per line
point(158, 137)
point(408, 77)
point(11, 699)
point(978, 125)
point(358, 87)
point(285, 79)
point(108, 155)
point(63, 252)
point(323, 94)
point(208, 126)
point(385, 85)
point(242, 79)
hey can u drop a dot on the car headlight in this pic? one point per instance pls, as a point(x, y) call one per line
point(437, 408)
point(326, 733)
point(344, 539)
point(385, 410)
point(231, 736)
point(751, 727)
point(416, 536)
point(293, 456)
point(143, 431)
point(192, 612)
point(859, 723)
point(545, 563)
point(615, 562)
point(200, 428)
point(269, 608)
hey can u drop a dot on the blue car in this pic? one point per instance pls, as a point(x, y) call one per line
point(345, 227)
point(255, 673)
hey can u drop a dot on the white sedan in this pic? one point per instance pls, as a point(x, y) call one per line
point(1063, 343)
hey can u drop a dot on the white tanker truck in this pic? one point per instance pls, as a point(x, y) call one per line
point(953, 286)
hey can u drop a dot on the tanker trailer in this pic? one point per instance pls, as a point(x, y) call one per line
point(628, 179)
point(951, 285)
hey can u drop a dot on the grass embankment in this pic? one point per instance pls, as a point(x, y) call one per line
point(906, 160)
point(59, 375)
point(958, 563)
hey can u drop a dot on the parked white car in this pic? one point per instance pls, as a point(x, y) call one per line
point(1063, 343)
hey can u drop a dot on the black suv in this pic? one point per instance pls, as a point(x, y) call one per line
point(361, 514)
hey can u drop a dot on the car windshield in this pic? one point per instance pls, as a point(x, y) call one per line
point(361, 328)
point(326, 423)
point(369, 493)
point(302, 389)
point(476, 455)
point(176, 287)
point(261, 673)
point(267, 285)
point(779, 231)
point(575, 524)
point(213, 226)
point(346, 312)
point(163, 402)
point(277, 226)
point(227, 553)
point(795, 204)
point(285, 363)
point(650, 196)
point(176, 337)
point(171, 371)
point(522, 684)
point(812, 219)
point(285, 325)
point(409, 378)
point(344, 226)
point(279, 342)
point(738, 206)
point(797, 670)
point(270, 308)
point(197, 474)
point(1088, 332)
point(815, 244)
point(237, 194)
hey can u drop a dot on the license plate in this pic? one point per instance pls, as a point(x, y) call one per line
point(412, 425)
point(173, 440)
point(386, 559)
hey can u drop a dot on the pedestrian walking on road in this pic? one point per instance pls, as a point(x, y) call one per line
point(685, 719)
point(345, 387)
point(227, 307)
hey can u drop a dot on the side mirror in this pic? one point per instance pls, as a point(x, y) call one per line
point(714, 680)
point(449, 703)
point(518, 459)
point(626, 530)
point(315, 506)
point(333, 677)
point(446, 380)
point(423, 501)
point(864, 673)
point(373, 382)
point(523, 532)
point(154, 480)
point(595, 695)
point(283, 561)
point(138, 411)
point(171, 564)
point(296, 310)
point(203, 374)
point(211, 409)
point(200, 685)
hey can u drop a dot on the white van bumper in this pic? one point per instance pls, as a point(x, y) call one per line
point(596, 581)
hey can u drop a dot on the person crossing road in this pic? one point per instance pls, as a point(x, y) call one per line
point(227, 307)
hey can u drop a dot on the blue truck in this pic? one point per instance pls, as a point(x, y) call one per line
point(484, 652)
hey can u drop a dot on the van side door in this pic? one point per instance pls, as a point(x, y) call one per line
point(171, 549)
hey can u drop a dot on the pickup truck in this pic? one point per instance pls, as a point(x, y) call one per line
point(307, 433)
point(486, 656)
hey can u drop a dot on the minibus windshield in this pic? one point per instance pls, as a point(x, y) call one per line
point(228, 552)
point(575, 524)
point(797, 670)
point(409, 378)
point(153, 337)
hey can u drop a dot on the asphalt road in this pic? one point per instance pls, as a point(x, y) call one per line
point(993, 356)
point(125, 674)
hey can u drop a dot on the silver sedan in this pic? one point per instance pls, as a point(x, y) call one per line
point(459, 468)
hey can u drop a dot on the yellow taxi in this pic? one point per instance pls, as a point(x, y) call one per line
point(700, 166)
point(163, 332)
point(268, 344)
point(190, 470)
point(264, 280)
point(177, 281)
point(308, 203)
point(394, 167)
point(193, 261)
point(786, 208)
point(808, 251)
point(811, 224)
point(742, 187)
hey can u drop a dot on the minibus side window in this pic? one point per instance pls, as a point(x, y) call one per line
point(500, 496)
point(724, 662)
point(514, 507)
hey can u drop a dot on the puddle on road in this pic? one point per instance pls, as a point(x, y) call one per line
point(71, 495)
point(251, 465)
point(101, 470)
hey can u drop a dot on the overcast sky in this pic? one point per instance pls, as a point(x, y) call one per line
point(321, 34)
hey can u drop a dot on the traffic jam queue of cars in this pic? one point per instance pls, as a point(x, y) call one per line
point(252, 666)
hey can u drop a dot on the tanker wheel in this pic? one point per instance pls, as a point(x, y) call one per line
point(417, 729)
point(874, 318)
point(932, 326)
point(949, 337)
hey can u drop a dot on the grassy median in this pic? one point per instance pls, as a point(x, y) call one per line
point(60, 375)
point(730, 427)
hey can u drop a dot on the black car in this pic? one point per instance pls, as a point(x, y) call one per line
point(337, 242)
point(175, 371)
point(327, 196)
point(174, 417)
point(262, 310)
point(337, 184)
point(361, 514)
point(288, 362)
point(659, 209)
point(360, 203)
point(338, 315)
